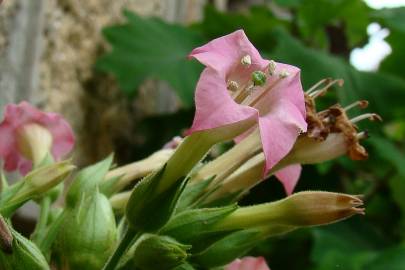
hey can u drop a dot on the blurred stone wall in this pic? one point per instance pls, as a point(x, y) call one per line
point(47, 52)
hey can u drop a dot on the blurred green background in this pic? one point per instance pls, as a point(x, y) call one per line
point(318, 36)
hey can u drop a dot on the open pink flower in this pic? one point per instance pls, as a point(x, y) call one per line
point(239, 86)
point(248, 263)
point(16, 118)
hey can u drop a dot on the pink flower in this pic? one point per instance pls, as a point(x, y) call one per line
point(21, 119)
point(248, 263)
point(239, 86)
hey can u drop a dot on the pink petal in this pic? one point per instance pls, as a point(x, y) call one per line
point(279, 129)
point(289, 176)
point(223, 53)
point(214, 106)
point(248, 263)
point(288, 88)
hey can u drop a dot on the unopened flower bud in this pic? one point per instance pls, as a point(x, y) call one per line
point(258, 78)
point(88, 234)
point(153, 250)
point(34, 184)
point(301, 209)
point(34, 142)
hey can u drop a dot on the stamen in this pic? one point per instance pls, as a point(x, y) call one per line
point(369, 116)
point(258, 78)
point(243, 93)
point(323, 90)
point(272, 67)
point(284, 74)
point(361, 103)
point(315, 86)
point(232, 86)
point(246, 60)
point(362, 135)
point(256, 99)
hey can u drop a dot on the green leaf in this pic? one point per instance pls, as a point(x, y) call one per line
point(349, 245)
point(228, 248)
point(392, 259)
point(347, 16)
point(390, 152)
point(394, 20)
point(149, 47)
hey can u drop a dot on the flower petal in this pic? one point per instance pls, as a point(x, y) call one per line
point(279, 130)
point(289, 176)
point(248, 263)
point(222, 54)
point(214, 106)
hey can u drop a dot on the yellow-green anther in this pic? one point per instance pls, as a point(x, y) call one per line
point(258, 78)
point(246, 60)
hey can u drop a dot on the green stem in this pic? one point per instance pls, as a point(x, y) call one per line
point(46, 241)
point(40, 229)
point(129, 236)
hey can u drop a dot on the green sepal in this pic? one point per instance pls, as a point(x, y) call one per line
point(225, 200)
point(25, 255)
point(192, 225)
point(152, 250)
point(147, 209)
point(192, 193)
point(230, 247)
point(88, 180)
point(184, 266)
point(3, 182)
point(109, 186)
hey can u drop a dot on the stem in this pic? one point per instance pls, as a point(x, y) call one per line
point(40, 229)
point(129, 236)
point(45, 242)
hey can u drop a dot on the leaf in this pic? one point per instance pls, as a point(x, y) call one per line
point(394, 20)
point(228, 248)
point(392, 259)
point(390, 152)
point(351, 17)
point(144, 48)
point(347, 245)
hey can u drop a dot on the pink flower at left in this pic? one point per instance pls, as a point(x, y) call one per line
point(248, 263)
point(19, 116)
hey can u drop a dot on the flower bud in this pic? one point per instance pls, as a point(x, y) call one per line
point(36, 183)
point(302, 209)
point(34, 142)
point(88, 234)
point(164, 251)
